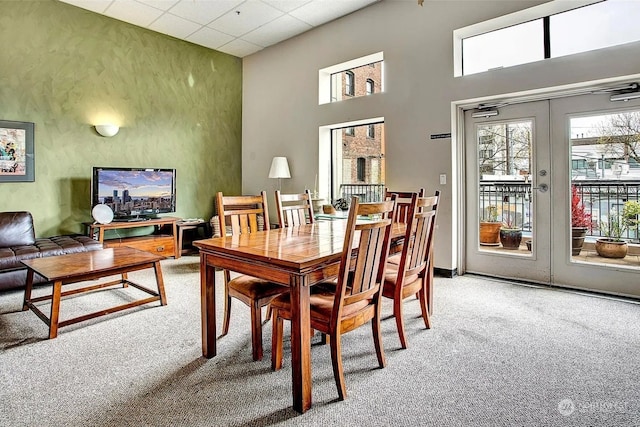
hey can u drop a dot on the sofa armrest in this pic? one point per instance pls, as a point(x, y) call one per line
point(16, 229)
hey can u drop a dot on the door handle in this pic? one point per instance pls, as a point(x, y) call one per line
point(542, 187)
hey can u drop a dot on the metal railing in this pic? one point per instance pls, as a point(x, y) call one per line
point(512, 201)
point(366, 192)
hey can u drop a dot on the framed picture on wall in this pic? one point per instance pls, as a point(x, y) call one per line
point(16, 152)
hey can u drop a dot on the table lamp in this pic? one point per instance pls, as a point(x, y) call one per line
point(279, 169)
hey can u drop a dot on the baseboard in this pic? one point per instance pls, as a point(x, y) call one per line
point(443, 272)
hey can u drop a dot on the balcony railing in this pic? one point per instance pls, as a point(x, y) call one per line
point(366, 192)
point(600, 197)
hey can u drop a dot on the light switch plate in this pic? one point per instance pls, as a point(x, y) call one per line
point(443, 178)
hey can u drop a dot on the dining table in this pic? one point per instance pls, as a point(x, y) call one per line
point(296, 257)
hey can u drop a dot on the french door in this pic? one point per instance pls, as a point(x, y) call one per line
point(596, 150)
point(522, 167)
point(508, 172)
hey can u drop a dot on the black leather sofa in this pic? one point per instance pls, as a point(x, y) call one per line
point(18, 242)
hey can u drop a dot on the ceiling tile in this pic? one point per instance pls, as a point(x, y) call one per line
point(160, 4)
point(246, 17)
point(320, 11)
point(276, 31)
point(239, 47)
point(215, 23)
point(203, 11)
point(174, 26)
point(286, 5)
point(133, 12)
point(209, 38)
point(93, 5)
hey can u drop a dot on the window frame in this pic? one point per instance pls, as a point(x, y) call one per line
point(509, 20)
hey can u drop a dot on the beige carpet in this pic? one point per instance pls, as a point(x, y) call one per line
point(499, 354)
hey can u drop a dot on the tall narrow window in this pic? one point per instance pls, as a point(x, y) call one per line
point(349, 83)
point(357, 163)
point(361, 168)
point(350, 131)
point(370, 86)
point(371, 131)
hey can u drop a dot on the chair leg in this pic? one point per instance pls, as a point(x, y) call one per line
point(429, 287)
point(256, 331)
point(397, 313)
point(226, 317)
point(276, 341)
point(377, 338)
point(422, 296)
point(336, 361)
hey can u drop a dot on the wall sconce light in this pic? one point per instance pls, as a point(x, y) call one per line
point(279, 169)
point(107, 130)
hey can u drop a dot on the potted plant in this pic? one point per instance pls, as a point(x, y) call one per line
point(631, 214)
point(490, 226)
point(510, 233)
point(612, 245)
point(580, 222)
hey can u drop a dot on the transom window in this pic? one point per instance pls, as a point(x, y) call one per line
point(557, 29)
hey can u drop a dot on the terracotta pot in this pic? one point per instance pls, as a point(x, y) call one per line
point(510, 238)
point(490, 233)
point(577, 239)
point(608, 248)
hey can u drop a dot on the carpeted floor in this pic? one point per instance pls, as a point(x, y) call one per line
point(499, 354)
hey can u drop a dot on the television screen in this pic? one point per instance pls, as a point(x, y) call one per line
point(134, 192)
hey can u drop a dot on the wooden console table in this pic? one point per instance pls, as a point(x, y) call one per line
point(162, 241)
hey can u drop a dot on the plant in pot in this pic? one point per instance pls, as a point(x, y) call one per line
point(510, 233)
point(612, 245)
point(580, 222)
point(490, 226)
point(631, 216)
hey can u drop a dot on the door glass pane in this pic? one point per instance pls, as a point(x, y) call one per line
point(605, 177)
point(504, 172)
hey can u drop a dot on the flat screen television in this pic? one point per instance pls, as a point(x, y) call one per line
point(134, 193)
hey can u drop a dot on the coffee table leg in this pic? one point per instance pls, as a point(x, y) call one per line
point(55, 309)
point(160, 282)
point(27, 289)
point(125, 277)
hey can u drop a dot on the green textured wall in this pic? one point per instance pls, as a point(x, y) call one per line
point(179, 106)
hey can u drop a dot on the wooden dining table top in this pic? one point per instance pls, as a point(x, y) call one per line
point(305, 244)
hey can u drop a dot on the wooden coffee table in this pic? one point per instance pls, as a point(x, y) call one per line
point(72, 268)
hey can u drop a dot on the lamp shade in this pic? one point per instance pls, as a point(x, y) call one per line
point(107, 130)
point(279, 168)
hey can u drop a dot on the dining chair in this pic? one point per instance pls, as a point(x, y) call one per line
point(339, 307)
point(240, 215)
point(294, 209)
point(407, 278)
point(403, 201)
point(394, 258)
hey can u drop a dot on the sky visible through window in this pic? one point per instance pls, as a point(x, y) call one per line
point(600, 25)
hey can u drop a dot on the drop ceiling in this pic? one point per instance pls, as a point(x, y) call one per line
point(236, 27)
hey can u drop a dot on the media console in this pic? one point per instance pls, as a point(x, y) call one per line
point(162, 240)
